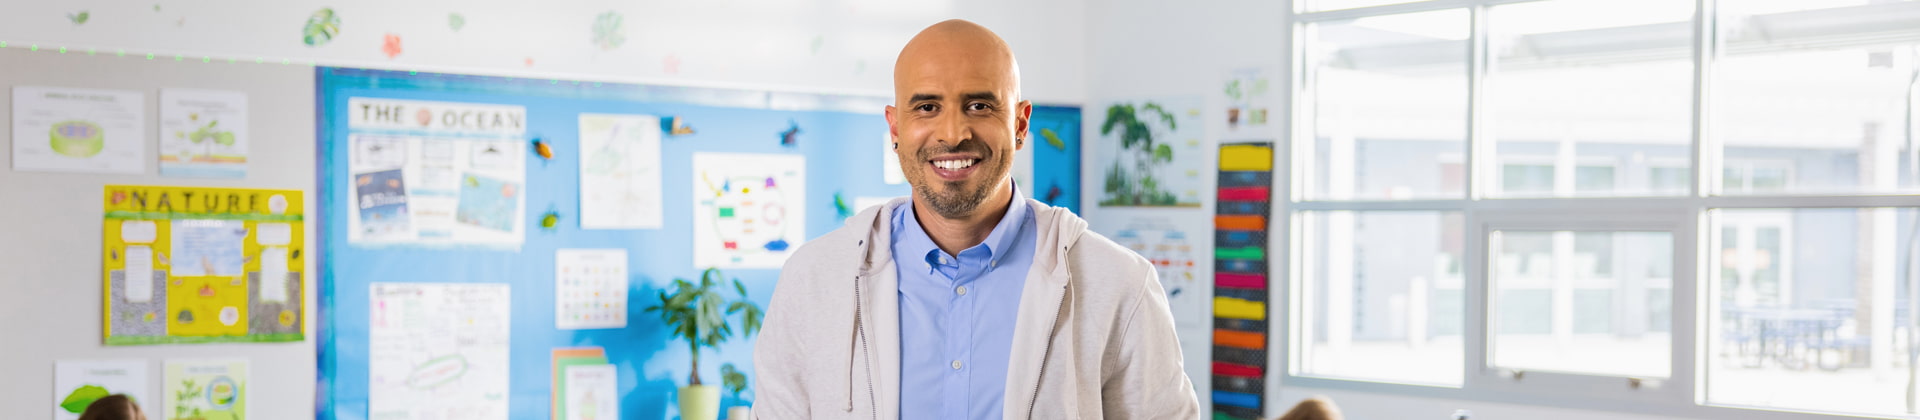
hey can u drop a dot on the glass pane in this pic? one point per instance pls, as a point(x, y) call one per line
point(1324, 5)
point(1383, 296)
point(1814, 97)
point(1813, 310)
point(1387, 106)
point(1583, 302)
point(1600, 92)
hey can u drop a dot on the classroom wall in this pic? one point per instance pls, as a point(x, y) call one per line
point(50, 229)
point(1139, 48)
point(840, 46)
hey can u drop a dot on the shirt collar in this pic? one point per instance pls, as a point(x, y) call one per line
point(997, 242)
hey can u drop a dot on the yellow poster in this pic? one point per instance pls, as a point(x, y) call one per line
point(202, 265)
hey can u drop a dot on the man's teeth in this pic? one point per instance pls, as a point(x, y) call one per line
point(954, 164)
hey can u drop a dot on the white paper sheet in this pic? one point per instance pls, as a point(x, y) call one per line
point(593, 392)
point(273, 274)
point(438, 351)
point(203, 133)
point(139, 273)
point(749, 210)
point(79, 130)
point(619, 172)
point(127, 377)
point(590, 288)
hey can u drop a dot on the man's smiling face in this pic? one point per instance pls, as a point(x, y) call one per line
point(956, 116)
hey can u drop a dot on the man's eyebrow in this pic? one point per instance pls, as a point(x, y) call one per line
point(917, 97)
point(985, 96)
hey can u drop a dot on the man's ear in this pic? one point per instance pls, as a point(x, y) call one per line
point(1022, 119)
point(893, 127)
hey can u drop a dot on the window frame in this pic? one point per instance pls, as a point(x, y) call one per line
point(1686, 214)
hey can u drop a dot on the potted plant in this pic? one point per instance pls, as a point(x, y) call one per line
point(698, 314)
point(735, 381)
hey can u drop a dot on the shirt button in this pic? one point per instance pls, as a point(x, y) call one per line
point(956, 365)
point(962, 290)
point(943, 260)
point(992, 264)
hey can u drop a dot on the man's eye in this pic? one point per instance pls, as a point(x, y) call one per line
point(924, 108)
point(978, 107)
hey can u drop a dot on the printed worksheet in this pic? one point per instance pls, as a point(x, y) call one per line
point(438, 351)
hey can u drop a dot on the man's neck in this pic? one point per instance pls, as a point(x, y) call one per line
point(955, 235)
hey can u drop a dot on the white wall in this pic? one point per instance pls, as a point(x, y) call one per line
point(762, 44)
point(50, 226)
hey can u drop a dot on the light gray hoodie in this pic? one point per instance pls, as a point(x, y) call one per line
point(1094, 338)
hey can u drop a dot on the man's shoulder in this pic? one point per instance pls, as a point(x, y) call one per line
point(1098, 259)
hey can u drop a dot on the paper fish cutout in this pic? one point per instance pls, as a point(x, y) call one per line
point(777, 245)
point(840, 205)
point(550, 221)
point(321, 27)
point(391, 47)
point(1053, 193)
point(1053, 139)
point(791, 137)
point(543, 148)
point(675, 126)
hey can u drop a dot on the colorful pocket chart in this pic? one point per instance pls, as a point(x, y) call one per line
point(1240, 280)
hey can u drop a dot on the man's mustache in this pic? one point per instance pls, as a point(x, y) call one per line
point(969, 146)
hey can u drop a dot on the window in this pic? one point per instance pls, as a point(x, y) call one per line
point(1385, 292)
point(1708, 215)
point(1581, 302)
point(1392, 102)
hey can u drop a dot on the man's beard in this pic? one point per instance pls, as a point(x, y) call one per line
point(959, 199)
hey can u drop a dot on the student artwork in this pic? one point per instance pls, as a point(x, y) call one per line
point(543, 148)
point(321, 27)
point(593, 392)
point(201, 265)
point(1156, 152)
point(78, 383)
point(748, 209)
point(436, 173)
point(609, 31)
point(675, 126)
point(438, 351)
point(1249, 98)
point(565, 359)
point(620, 172)
point(1240, 279)
point(78, 130)
point(203, 133)
point(790, 137)
point(204, 390)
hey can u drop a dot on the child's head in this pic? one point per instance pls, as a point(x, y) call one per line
point(113, 407)
point(1316, 408)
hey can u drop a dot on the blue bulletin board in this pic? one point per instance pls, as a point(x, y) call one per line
point(838, 136)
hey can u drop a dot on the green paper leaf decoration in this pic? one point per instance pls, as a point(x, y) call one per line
point(321, 27)
point(82, 397)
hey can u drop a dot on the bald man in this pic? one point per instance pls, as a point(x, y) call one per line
point(966, 300)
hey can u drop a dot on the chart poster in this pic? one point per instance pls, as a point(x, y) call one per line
point(204, 390)
point(438, 351)
point(436, 173)
point(59, 129)
point(748, 209)
point(203, 133)
point(202, 265)
point(1152, 153)
point(590, 288)
point(78, 383)
point(619, 172)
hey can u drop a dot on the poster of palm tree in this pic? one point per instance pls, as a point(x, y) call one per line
point(1152, 153)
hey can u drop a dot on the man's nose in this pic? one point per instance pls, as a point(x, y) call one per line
point(951, 129)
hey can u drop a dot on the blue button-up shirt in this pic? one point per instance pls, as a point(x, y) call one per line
point(957, 314)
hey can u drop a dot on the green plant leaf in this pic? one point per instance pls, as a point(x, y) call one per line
point(77, 401)
point(1164, 153)
point(1053, 139)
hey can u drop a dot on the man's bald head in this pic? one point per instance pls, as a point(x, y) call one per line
point(957, 119)
point(954, 45)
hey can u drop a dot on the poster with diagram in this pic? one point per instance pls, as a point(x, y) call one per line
point(202, 265)
point(203, 133)
point(78, 383)
point(620, 172)
point(1152, 152)
point(58, 129)
point(749, 210)
point(436, 173)
point(438, 351)
point(204, 390)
